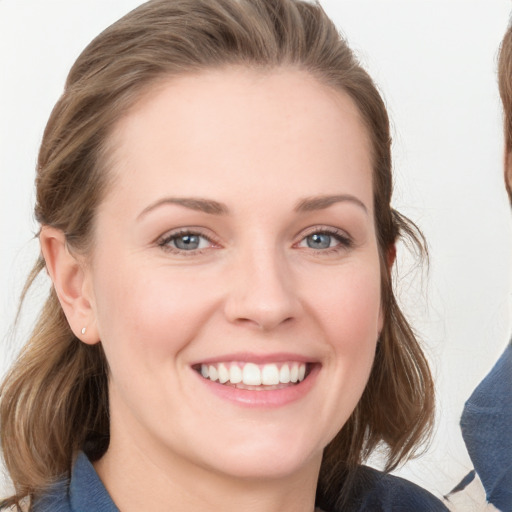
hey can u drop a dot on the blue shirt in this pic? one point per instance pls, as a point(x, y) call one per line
point(487, 431)
point(84, 492)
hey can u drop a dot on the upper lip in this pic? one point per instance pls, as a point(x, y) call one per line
point(268, 358)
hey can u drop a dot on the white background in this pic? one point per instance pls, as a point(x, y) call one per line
point(435, 63)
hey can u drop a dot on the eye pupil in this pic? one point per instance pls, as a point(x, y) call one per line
point(319, 241)
point(187, 242)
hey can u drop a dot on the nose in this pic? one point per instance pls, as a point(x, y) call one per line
point(262, 293)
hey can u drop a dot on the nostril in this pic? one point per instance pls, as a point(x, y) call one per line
point(264, 322)
point(265, 298)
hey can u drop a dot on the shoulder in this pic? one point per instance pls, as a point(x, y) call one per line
point(486, 425)
point(495, 389)
point(380, 492)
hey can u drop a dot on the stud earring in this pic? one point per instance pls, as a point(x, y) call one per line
point(84, 329)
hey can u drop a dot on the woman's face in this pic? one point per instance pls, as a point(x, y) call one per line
point(235, 275)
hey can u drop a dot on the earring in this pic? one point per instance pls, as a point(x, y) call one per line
point(83, 330)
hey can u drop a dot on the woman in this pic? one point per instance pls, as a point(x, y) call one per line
point(214, 194)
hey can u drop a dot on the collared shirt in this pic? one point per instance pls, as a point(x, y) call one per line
point(84, 492)
point(378, 492)
point(487, 431)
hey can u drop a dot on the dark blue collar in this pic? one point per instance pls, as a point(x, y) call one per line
point(86, 490)
point(373, 491)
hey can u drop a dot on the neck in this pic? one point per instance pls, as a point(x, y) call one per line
point(143, 477)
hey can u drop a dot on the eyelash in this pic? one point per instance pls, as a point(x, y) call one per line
point(166, 240)
point(345, 242)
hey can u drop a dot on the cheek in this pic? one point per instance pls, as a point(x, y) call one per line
point(352, 318)
point(147, 312)
point(351, 308)
point(348, 311)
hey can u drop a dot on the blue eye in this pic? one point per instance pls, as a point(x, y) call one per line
point(185, 241)
point(319, 241)
point(324, 239)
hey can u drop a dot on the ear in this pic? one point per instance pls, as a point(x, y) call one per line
point(69, 279)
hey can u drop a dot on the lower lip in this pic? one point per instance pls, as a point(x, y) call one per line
point(270, 398)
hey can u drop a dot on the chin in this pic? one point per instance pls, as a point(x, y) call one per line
point(273, 458)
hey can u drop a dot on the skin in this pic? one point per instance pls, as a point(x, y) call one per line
point(266, 146)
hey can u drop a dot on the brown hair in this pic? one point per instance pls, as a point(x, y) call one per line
point(505, 84)
point(54, 401)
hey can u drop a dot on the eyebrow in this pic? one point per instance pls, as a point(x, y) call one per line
point(310, 204)
point(212, 207)
point(193, 203)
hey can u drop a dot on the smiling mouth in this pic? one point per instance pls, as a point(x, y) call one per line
point(257, 377)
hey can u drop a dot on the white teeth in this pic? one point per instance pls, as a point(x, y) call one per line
point(302, 372)
point(270, 375)
point(223, 374)
point(252, 374)
point(294, 373)
point(213, 373)
point(284, 374)
point(235, 374)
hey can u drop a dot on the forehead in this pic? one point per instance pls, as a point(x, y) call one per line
point(243, 127)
